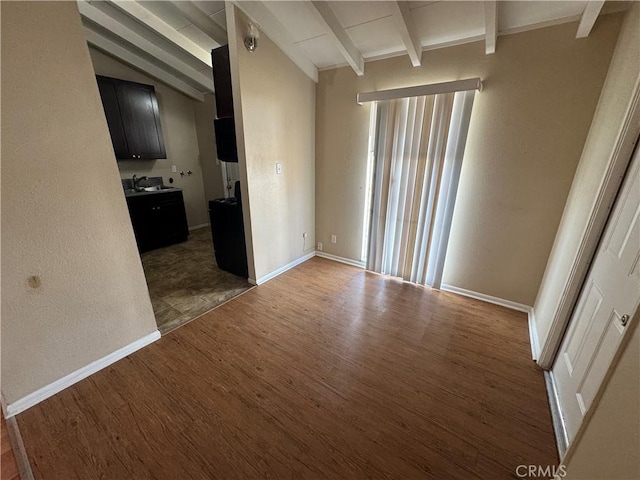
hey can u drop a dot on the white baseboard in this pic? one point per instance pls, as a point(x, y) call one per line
point(19, 452)
point(336, 258)
point(47, 391)
point(195, 227)
point(533, 336)
point(559, 428)
point(288, 266)
point(487, 298)
point(520, 307)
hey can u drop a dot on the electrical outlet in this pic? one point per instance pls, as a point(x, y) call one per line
point(174, 169)
point(319, 246)
point(278, 168)
point(334, 239)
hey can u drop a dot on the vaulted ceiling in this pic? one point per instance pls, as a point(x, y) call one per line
point(172, 40)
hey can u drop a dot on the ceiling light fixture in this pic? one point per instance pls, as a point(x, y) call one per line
point(251, 39)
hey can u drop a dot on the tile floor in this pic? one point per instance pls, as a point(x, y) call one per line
point(185, 282)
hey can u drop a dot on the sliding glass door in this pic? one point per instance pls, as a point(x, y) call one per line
point(417, 149)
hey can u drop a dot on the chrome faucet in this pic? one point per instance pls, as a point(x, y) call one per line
point(135, 180)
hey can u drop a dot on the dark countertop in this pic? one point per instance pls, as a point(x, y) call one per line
point(129, 191)
point(134, 193)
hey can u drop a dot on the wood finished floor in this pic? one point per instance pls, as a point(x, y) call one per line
point(326, 371)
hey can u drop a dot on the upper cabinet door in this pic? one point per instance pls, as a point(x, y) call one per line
point(222, 81)
point(114, 120)
point(141, 120)
point(133, 118)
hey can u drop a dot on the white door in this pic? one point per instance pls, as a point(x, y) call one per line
point(608, 300)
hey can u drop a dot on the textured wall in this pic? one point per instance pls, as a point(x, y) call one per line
point(178, 122)
point(64, 217)
point(278, 115)
point(527, 130)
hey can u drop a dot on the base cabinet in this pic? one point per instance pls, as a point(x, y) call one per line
point(158, 220)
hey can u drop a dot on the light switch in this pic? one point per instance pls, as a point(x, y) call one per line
point(278, 168)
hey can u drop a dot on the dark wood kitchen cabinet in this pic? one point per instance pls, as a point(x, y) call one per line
point(226, 146)
point(133, 118)
point(222, 81)
point(158, 219)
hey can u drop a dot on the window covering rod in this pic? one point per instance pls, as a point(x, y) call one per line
point(420, 90)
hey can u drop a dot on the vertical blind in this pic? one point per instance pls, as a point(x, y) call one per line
point(419, 145)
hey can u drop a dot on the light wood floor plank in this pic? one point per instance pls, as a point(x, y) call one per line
point(326, 371)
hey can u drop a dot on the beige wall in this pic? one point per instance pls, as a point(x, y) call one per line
point(64, 218)
point(178, 121)
point(609, 445)
point(596, 159)
point(205, 113)
point(527, 130)
point(278, 117)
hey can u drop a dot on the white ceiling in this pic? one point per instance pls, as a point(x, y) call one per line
point(172, 40)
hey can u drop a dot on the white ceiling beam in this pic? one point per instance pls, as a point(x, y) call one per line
point(99, 17)
point(271, 26)
point(130, 58)
point(141, 14)
point(201, 21)
point(402, 15)
point(589, 17)
point(337, 33)
point(491, 26)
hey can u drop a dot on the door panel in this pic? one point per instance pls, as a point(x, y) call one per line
point(141, 120)
point(109, 98)
point(597, 369)
point(612, 290)
point(590, 310)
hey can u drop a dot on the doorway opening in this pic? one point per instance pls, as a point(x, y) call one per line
point(183, 276)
